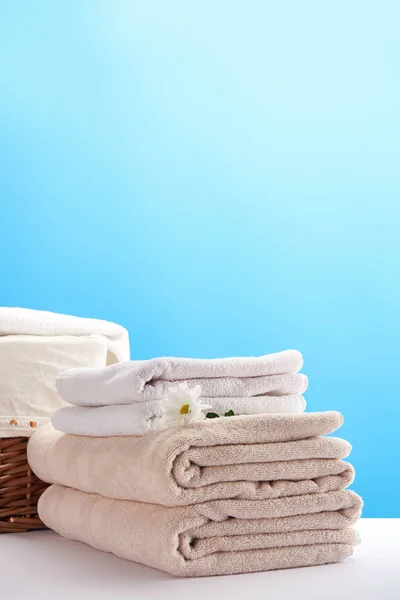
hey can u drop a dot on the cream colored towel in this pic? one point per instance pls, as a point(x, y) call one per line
point(251, 457)
point(214, 538)
point(35, 347)
point(29, 366)
point(25, 321)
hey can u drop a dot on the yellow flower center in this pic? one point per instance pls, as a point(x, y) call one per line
point(185, 409)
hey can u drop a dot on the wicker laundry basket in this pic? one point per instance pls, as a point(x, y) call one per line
point(20, 489)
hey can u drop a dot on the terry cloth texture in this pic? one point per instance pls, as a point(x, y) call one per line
point(249, 457)
point(140, 418)
point(148, 380)
point(125, 399)
point(212, 538)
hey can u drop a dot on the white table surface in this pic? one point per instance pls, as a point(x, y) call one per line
point(42, 565)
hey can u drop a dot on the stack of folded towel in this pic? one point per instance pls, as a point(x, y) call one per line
point(218, 496)
point(35, 347)
point(126, 398)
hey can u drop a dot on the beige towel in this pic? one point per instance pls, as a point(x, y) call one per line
point(252, 457)
point(214, 538)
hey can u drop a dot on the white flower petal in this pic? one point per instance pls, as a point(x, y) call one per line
point(174, 393)
point(179, 396)
point(172, 401)
point(196, 391)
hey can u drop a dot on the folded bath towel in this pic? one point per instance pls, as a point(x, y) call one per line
point(24, 321)
point(125, 399)
point(214, 538)
point(149, 380)
point(250, 457)
point(140, 418)
point(29, 365)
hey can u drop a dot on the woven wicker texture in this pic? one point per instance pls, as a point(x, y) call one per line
point(20, 489)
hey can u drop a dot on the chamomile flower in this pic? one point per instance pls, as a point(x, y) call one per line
point(183, 405)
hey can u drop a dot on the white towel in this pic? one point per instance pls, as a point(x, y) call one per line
point(24, 321)
point(138, 381)
point(140, 418)
point(35, 347)
point(125, 399)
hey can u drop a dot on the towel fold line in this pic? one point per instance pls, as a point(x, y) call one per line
point(138, 381)
point(158, 467)
point(162, 537)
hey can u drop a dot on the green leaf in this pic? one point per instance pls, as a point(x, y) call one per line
point(211, 415)
point(230, 413)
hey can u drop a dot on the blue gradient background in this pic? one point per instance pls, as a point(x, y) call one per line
point(222, 178)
